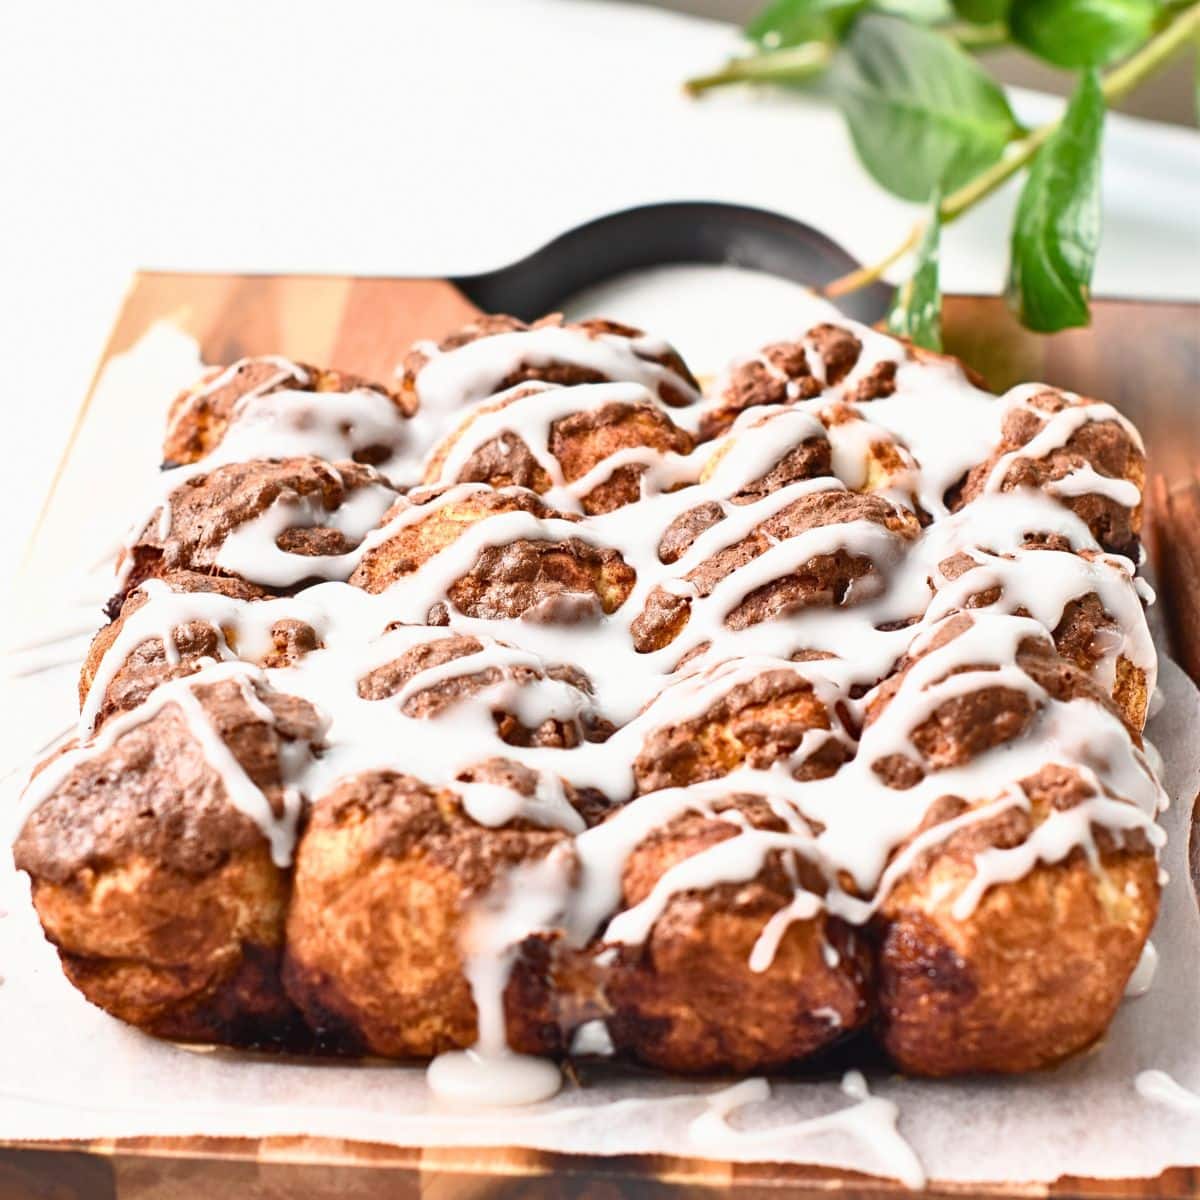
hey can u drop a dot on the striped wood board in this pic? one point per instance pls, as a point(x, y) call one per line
point(1144, 357)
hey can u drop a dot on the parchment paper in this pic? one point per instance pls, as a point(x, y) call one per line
point(69, 1071)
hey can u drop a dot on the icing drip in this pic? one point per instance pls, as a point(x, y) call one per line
point(1142, 979)
point(528, 900)
point(870, 1120)
point(1159, 1088)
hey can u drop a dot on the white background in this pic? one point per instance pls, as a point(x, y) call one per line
point(420, 137)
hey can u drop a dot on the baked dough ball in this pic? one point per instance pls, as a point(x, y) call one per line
point(1036, 970)
point(510, 440)
point(782, 373)
point(161, 895)
point(559, 698)
point(201, 415)
point(829, 578)
point(978, 971)
point(965, 725)
point(1100, 627)
point(702, 993)
point(750, 713)
point(826, 357)
point(768, 448)
point(1088, 457)
point(279, 525)
point(195, 640)
point(388, 874)
point(556, 578)
point(499, 352)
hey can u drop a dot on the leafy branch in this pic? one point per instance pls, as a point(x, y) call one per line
point(926, 120)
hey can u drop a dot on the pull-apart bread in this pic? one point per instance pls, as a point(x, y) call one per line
point(542, 705)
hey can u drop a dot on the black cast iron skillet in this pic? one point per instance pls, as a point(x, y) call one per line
point(652, 235)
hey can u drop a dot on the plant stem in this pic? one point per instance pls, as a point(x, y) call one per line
point(794, 64)
point(975, 37)
point(1136, 69)
point(780, 66)
point(1117, 83)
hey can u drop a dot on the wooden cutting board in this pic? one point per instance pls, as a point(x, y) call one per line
point(1144, 357)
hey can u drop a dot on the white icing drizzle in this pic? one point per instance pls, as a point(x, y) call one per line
point(1142, 979)
point(269, 425)
point(1159, 1088)
point(251, 550)
point(528, 412)
point(335, 426)
point(451, 379)
point(802, 906)
point(1054, 434)
point(871, 1120)
point(935, 421)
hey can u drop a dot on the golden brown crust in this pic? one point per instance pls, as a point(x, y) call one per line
point(688, 1000)
point(756, 723)
point(1034, 970)
point(1033, 975)
point(160, 895)
point(386, 875)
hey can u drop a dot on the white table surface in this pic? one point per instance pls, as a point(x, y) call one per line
point(420, 137)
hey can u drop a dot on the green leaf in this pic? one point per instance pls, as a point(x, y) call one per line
point(922, 113)
point(982, 12)
point(1082, 33)
point(916, 311)
point(792, 22)
point(1057, 225)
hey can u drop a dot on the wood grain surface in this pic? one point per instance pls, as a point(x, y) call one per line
point(1144, 357)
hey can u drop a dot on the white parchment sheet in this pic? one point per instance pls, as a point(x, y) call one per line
point(69, 1071)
